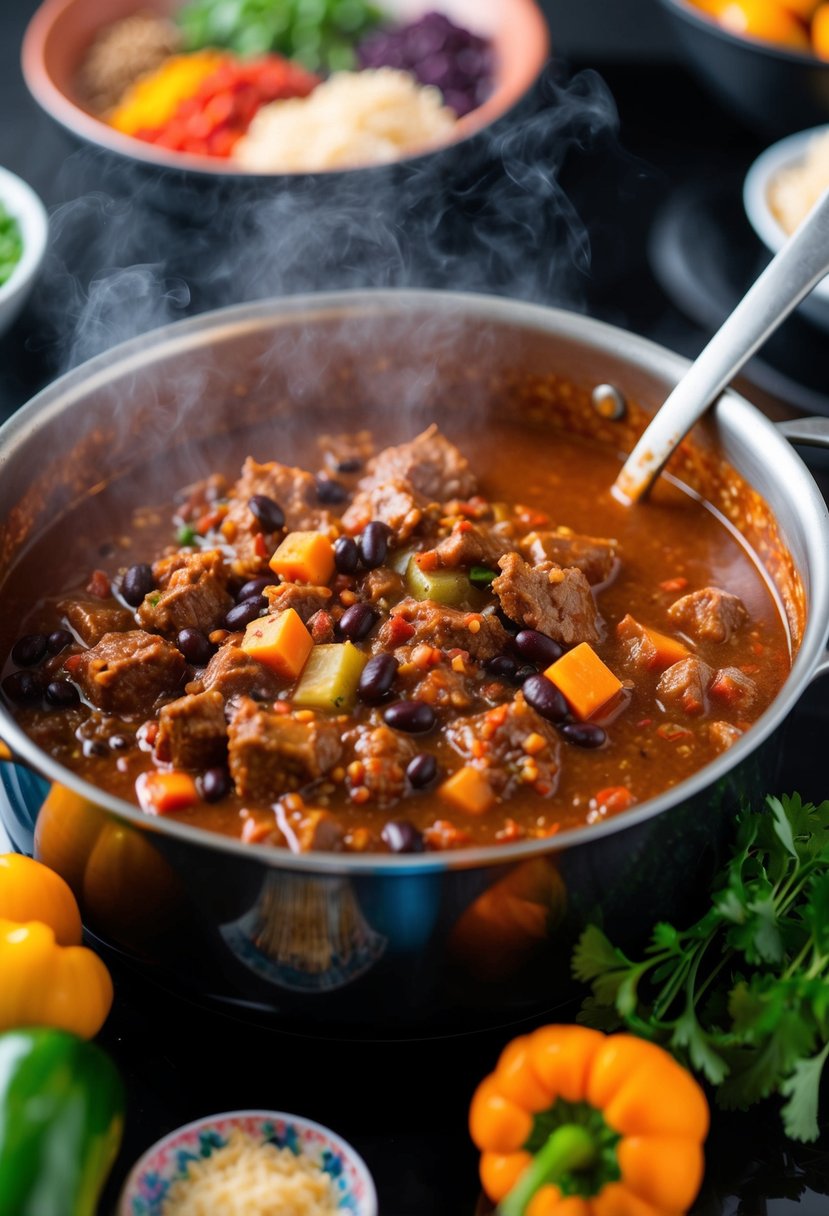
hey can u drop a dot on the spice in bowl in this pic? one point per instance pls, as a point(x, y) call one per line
point(11, 244)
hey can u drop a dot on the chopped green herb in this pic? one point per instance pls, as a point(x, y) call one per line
point(154, 599)
point(321, 34)
point(743, 995)
point(11, 244)
point(186, 535)
point(481, 576)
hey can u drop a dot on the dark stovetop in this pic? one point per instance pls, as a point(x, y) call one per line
point(403, 1106)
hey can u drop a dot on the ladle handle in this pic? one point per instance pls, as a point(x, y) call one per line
point(791, 275)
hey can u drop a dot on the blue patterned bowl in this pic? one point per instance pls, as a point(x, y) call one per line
point(151, 1177)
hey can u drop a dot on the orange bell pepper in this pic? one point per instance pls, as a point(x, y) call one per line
point(576, 1123)
point(31, 891)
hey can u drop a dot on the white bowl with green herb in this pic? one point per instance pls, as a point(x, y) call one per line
point(24, 230)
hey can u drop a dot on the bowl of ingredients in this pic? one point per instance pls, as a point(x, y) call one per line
point(283, 88)
point(24, 231)
point(248, 1162)
point(766, 60)
point(780, 189)
point(352, 718)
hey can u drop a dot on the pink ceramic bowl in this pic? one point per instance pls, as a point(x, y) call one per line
point(61, 30)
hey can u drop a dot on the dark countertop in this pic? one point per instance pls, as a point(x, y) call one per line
point(116, 267)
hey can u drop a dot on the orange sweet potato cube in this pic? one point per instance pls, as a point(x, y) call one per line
point(584, 680)
point(468, 790)
point(281, 642)
point(304, 557)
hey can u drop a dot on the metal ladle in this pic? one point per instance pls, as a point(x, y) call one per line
point(791, 275)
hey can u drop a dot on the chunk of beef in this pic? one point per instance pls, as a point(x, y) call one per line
point(293, 489)
point(381, 585)
point(318, 831)
point(91, 619)
point(393, 502)
point(641, 649)
point(445, 688)
point(723, 735)
point(546, 597)
point(306, 601)
point(271, 753)
point(430, 464)
point(512, 745)
point(709, 615)
point(233, 673)
point(480, 635)
point(192, 732)
point(381, 756)
point(474, 544)
point(595, 556)
point(732, 687)
point(126, 672)
point(321, 628)
point(685, 685)
point(192, 592)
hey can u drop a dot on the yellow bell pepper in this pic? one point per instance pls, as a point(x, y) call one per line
point(576, 1123)
point(46, 984)
point(31, 891)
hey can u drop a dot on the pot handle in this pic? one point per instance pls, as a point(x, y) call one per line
point(814, 432)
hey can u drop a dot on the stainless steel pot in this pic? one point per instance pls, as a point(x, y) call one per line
point(380, 945)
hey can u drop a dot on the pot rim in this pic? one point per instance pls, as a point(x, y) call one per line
point(735, 414)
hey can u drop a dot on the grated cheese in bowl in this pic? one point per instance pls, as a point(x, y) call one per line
point(246, 1177)
point(795, 189)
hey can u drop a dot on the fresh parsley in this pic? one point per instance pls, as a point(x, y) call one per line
point(742, 996)
point(11, 244)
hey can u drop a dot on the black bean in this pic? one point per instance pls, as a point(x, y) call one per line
point(402, 837)
point(413, 717)
point(194, 645)
point(256, 586)
point(373, 543)
point(118, 743)
point(215, 784)
point(545, 698)
point(584, 734)
point(351, 464)
point(29, 650)
point(23, 687)
point(537, 647)
point(357, 621)
point(346, 555)
point(509, 624)
point(58, 641)
point(524, 672)
point(137, 582)
point(62, 694)
point(377, 678)
point(242, 614)
point(330, 491)
point(502, 666)
point(422, 770)
point(269, 513)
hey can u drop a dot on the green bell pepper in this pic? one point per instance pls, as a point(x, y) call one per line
point(61, 1120)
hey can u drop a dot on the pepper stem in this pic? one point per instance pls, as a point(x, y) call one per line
point(569, 1148)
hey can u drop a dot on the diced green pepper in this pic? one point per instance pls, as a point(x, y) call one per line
point(61, 1118)
point(330, 677)
point(449, 587)
point(399, 561)
point(482, 576)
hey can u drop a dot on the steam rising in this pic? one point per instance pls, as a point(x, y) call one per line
point(491, 216)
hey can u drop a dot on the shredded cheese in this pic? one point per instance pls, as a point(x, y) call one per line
point(248, 1178)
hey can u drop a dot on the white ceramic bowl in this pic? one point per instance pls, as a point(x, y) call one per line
point(23, 204)
point(779, 156)
point(151, 1176)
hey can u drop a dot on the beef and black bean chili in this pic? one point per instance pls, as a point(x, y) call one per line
point(405, 650)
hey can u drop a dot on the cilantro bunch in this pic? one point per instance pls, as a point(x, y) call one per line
point(743, 995)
